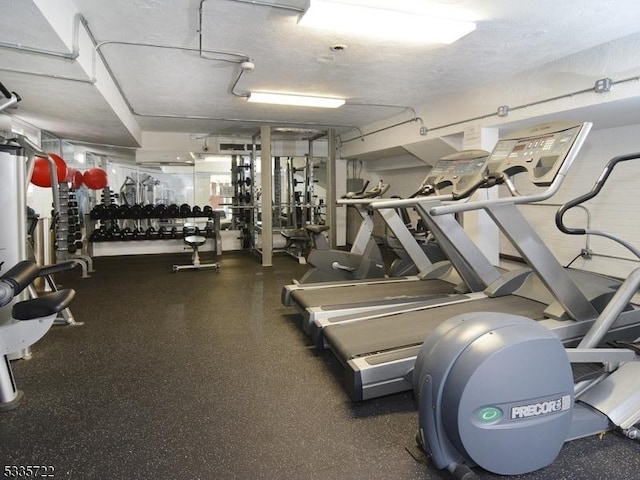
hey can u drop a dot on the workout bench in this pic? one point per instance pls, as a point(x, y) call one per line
point(195, 241)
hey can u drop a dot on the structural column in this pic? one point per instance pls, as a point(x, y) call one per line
point(331, 187)
point(267, 198)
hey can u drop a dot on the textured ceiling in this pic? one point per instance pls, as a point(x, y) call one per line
point(178, 90)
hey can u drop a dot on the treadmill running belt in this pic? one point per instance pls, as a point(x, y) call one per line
point(336, 298)
point(358, 339)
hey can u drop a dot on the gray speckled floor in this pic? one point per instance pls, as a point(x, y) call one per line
point(205, 375)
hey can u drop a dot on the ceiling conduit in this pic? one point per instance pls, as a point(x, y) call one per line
point(635, 78)
point(242, 58)
point(39, 51)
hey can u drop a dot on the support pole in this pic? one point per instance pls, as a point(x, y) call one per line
point(267, 200)
point(331, 187)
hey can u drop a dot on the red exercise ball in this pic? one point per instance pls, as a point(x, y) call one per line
point(95, 178)
point(41, 176)
point(74, 177)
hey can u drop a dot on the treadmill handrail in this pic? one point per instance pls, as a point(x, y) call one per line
point(479, 204)
point(394, 202)
point(516, 200)
point(487, 181)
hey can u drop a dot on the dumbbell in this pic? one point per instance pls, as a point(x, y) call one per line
point(124, 211)
point(161, 210)
point(136, 211)
point(185, 210)
point(150, 233)
point(207, 210)
point(67, 229)
point(97, 212)
point(148, 211)
point(111, 211)
point(173, 211)
point(196, 211)
point(73, 237)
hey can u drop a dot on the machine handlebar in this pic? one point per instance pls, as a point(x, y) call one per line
point(487, 181)
point(16, 279)
point(359, 193)
point(21, 275)
point(602, 179)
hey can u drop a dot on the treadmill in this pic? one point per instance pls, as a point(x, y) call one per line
point(378, 352)
point(401, 233)
point(467, 269)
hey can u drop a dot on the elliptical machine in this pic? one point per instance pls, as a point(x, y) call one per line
point(364, 260)
point(497, 391)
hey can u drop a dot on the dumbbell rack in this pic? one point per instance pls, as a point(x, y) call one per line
point(68, 240)
point(243, 198)
point(137, 224)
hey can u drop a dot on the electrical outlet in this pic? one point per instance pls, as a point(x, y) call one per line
point(586, 253)
point(424, 131)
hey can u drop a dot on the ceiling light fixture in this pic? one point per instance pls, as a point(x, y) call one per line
point(416, 27)
point(295, 100)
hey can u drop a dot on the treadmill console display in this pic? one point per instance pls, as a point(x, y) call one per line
point(458, 170)
point(539, 150)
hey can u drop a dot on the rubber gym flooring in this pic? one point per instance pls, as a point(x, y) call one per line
point(205, 375)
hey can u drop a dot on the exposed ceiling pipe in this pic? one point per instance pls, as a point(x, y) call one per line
point(268, 4)
point(362, 135)
point(240, 57)
point(247, 120)
point(244, 57)
point(248, 65)
point(416, 118)
point(85, 24)
point(634, 78)
point(39, 51)
point(48, 75)
point(75, 49)
point(241, 60)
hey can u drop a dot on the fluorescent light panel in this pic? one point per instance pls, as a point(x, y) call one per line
point(296, 100)
point(414, 27)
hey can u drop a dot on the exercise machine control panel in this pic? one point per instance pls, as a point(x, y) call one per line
point(458, 170)
point(540, 151)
